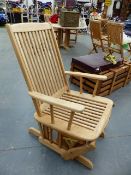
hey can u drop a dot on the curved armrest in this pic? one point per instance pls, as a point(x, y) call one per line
point(86, 75)
point(57, 102)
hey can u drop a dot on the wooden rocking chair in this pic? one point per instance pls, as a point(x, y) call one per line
point(69, 121)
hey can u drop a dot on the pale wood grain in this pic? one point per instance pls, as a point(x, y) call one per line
point(79, 117)
point(86, 75)
point(58, 102)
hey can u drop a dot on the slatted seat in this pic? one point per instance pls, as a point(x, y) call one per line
point(86, 122)
point(77, 118)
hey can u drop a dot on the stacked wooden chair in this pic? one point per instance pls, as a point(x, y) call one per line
point(115, 38)
point(69, 121)
point(104, 23)
point(98, 39)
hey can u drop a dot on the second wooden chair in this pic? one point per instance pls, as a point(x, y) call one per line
point(117, 38)
point(98, 40)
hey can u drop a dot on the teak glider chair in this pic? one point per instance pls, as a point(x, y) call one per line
point(69, 121)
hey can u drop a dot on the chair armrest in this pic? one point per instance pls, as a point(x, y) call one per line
point(86, 75)
point(57, 102)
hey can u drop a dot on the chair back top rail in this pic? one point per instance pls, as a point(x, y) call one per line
point(29, 27)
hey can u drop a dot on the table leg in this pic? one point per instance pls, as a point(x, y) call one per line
point(60, 37)
point(67, 39)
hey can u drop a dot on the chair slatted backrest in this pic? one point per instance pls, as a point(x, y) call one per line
point(39, 57)
point(95, 29)
point(115, 33)
point(104, 26)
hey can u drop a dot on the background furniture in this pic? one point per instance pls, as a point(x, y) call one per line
point(117, 75)
point(68, 31)
point(117, 38)
point(104, 26)
point(98, 40)
point(126, 9)
point(47, 17)
point(77, 119)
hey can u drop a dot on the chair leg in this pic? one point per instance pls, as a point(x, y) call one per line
point(76, 36)
point(34, 132)
point(74, 154)
point(83, 160)
point(86, 162)
point(102, 135)
point(95, 48)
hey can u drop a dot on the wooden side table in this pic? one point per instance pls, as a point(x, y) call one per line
point(66, 42)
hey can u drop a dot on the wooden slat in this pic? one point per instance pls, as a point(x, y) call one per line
point(89, 101)
point(92, 121)
point(121, 76)
point(87, 126)
point(34, 57)
point(59, 59)
point(81, 85)
point(105, 88)
point(56, 61)
point(105, 83)
point(30, 62)
point(70, 120)
point(118, 86)
point(128, 74)
point(45, 63)
point(85, 115)
point(104, 93)
point(113, 81)
point(96, 88)
point(52, 114)
point(85, 87)
point(23, 63)
point(51, 62)
point(40, 59)
point(90, 112)
point(31, 57)
point(89, 106)
point(87, 75)
point(57, 102)
point(33, 61)
point(120, 81)
point(51, 82)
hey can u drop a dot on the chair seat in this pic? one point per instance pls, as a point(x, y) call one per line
point(87, 125)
